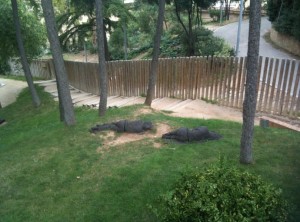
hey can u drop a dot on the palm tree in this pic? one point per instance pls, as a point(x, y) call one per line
point(65, 101)
point(154, 62)
point(249, 105)
point(35, 98)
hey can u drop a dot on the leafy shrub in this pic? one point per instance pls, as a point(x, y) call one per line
point(209, 45)
point(285, 16)
point(222, 193)
point(175, 43)
point(215, 14)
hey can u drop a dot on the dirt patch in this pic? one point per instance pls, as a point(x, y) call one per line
point(111, 139)
point(143, 111)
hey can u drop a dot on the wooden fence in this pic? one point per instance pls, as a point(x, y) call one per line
point(42, 68)
point(217, 79)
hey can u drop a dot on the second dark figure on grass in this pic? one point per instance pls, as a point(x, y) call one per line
point(199, 134)
point(137, 126)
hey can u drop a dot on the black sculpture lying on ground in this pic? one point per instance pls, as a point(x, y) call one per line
point(137, 126)
point(2, 121)
point(199, 134)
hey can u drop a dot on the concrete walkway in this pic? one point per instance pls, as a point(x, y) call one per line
point(176, 107)
point(9, 90)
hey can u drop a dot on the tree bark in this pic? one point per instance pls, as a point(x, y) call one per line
point(35, 98)
point(249, 105)
point(65, 100)
point(154, 62)
point(101, 55)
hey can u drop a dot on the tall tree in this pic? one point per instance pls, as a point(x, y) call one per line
point(73, 28)
point(191, 9)
point(35, 98)
point(101, 56)
point(34, 39)
point(154, 62)
point(249, 105)
point(65, 101)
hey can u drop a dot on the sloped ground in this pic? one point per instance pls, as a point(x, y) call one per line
point(175, 107)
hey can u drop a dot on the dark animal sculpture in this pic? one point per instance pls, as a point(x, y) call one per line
point(199, 134)
point(137, 126)
point(2, 121)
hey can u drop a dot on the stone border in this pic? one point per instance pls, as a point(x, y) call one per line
point(286, 42)
point(270, 122)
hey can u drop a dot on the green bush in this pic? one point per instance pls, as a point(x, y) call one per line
point(222, 193)
point(285, 16)
point(215, 14)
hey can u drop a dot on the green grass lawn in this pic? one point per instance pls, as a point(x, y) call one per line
point(49, 172)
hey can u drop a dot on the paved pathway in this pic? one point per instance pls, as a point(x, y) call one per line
point(177, 107)
point(229, 33)
point(9, 90)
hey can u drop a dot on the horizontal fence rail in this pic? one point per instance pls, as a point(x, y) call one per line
point(219, 80)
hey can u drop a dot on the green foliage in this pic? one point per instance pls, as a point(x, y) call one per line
point(285, 16)
point(175, 43)
point(170, 46)
point(207, 44)
point(215, 14)
point(34, 35)
point(140, 32)
point(78, 22)
point(223, 193)
point(116, 44)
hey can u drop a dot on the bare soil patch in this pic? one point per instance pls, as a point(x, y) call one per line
point(112, 138)
point(143, 111)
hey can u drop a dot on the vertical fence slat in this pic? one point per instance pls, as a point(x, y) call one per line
point(231, 67)
point(244, 73)
point(216, 78)
point(221, 77)
point(225, 72)
point(283, 93)
point(278, 87)
point(202, 76)
point(270, 102)
point(207, 71)
point(293, 112)
point(263, 82)
point(268, 83)
point(259, 75)
point(233, 82)
point(212, 78)
point(289, 87)
point(238, 86)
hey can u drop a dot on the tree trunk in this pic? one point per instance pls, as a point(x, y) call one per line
point(35, 98)
point(154, 62)
point(65, 100)
point(101, 54)
point(249, 105)
point(191, 35)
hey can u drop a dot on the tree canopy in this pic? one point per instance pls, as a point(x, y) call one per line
point(32, 30)
point(285, 16)
point(79, 21)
